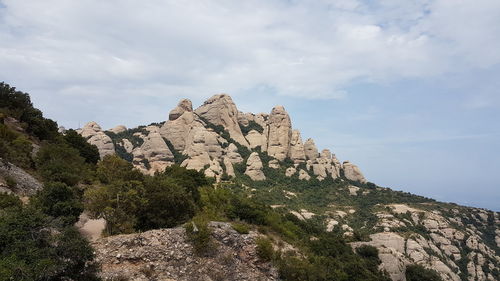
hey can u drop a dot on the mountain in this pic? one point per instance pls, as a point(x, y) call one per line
point(215, 194)
point(266, 156)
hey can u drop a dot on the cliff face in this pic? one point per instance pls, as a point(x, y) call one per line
point(165, 254)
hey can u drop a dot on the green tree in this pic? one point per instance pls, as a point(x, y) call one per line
point(113, 168)
point(59, 201)
point(416, 272)
point(88, 151)
point(59, 162)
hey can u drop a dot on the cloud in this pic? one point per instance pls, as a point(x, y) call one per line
point(309, 49)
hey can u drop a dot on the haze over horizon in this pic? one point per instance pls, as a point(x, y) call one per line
point(408, 91)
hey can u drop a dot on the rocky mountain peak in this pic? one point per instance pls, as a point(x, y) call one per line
point(183, 106)
point(221, 110)
point(279, 133)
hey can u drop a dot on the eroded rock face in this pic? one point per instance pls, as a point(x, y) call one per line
point(94, 135)
point(214, 171)
point(310, 149)
point(254, 167)
point(221, 110)
point(232, 154)
point(229, 167)
point(279, 132)
point(181, 121)
point(166, 254)
point(256, 139)
point(290, 171)
point(274, 164)
point(303, 175)
point(155, 151)
point(297, 153)
point(352, 172)
point(201, 146)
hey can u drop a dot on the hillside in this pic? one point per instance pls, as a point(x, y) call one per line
point(216, 194)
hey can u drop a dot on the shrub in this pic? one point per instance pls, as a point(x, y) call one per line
point(264, 249)
point(200, 237)
point(88, 151)
point(59, 162)
point(415, 272)
point(241, 228)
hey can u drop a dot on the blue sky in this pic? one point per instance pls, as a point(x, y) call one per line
point(408, 90)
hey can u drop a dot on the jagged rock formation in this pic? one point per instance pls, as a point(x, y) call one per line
point(192, 133)
point(165, 254)
point(449, 241)
point(352, 172)
point(297, 151)
point(154, 153)
point(310, 149)
point(94, 135)
point(279, 133)
point(221, 110)
point(254, 167)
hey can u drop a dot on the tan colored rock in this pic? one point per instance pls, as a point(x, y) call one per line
point(198, 144)
point(303, 175)
point(215, 170)
point(254, 167)
point(256, 139)
point(274, 164)
point(94, 135)
point(279, 133)
point(118, 129)
point(155, 151)
point(352, 172)
point(184, 105)
point(310, 149)
point(127, 145)
point(232, 154)
point(229, 167)
point(221, 110)
point(297, 153)
point(290, 171)
point(177, 130)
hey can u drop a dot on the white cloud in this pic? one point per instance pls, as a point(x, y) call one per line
point(305, 49)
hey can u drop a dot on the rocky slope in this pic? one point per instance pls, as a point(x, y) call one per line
point(264, 151)
point(165, 254)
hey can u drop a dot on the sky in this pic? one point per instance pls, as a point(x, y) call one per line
point(407, 90)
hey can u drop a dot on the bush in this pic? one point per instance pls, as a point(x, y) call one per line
point(88, 151)
point(415, 272)
point(264, 249)
point(59, 201)
point(200, 237)
point(112, 168)
point(241, 228)
point(59, 162)
point(367, 251)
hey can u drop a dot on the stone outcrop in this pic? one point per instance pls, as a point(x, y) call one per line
point(202, 145)
point(274, 164)
point(181, 121)
point(24, 183)
point(290, 171)
point(254, 167)
point(127, 145)
point(279, 132)
point(310, 149)
point(297, 152)
point(214, 171)
point(229, 167)
point(352, 172)
point(155, 151)
point(221, 110)
point(166, 254)
point(256, 139)
point(118, 129)
point(325, 165)
point(94, 135)
point(303, 175)
point(232, 154)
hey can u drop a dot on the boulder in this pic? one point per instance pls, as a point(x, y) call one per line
point(118, 129)
point(274, 164)
point(214, 171)
point(94, 135)
point(290, 171)
point(184, 105)
point(127, 145)
point(297, 153)
point(254, 167)
point(221, 110)
point(229, 167)
point(279, 131)
point(202, 145)
point(303, 175)
point(352, 172)
point(181, 121)
point(310, 149)
point(232, 154)
point(256, 139)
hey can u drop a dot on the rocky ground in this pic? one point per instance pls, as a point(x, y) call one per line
point(165, 254)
